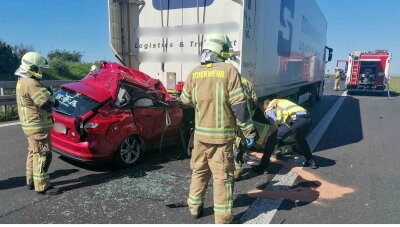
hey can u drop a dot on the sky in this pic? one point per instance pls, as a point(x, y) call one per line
point(362, 25)
point(82, 25)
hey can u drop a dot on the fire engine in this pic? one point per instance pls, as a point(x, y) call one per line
point(368, 71)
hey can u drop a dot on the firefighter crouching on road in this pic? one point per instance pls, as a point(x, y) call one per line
point(337, 79)
point(214, 89)
point(286, 118)
point(240, 143)
point(34, 109)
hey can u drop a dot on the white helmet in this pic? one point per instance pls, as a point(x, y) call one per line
point(31, 62)
point(93, 68)
point(219, 43)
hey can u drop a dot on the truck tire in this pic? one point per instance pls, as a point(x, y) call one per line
point(129, 152)
point(314, 95)
point(320, 91)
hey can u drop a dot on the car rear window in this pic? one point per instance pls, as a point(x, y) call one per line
point(73, 104)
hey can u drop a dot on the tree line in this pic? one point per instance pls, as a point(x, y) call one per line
point(63, 63)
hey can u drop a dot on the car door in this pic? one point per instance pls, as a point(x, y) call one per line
point(150, 119)
point(176, 116)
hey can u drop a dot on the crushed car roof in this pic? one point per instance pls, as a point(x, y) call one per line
point(102, 84)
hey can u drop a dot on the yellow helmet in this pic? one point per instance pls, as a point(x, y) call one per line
point(31, 63)
point(219, 43)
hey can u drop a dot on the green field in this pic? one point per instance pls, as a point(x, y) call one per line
point(395, 84)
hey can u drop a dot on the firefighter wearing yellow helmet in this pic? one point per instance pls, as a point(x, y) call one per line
point(214, 89)
point(35, 103)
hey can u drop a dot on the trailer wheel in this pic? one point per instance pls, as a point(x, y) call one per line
point(320, 91)
point(314, 95)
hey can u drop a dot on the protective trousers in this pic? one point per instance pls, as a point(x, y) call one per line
point(239, 151)
point(336, 84)
point(215, 159)
point(38, 160)
point(300, 128)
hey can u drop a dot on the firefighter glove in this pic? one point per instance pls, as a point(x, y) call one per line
point(250, 142)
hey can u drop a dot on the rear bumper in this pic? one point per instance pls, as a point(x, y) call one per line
point(77, 151)
point(366, 90)
point(76, 158)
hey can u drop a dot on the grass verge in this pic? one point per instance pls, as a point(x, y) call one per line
point(394, 85)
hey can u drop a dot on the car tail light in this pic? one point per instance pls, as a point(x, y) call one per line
point(90, 127)
point(96, 128)
point(101, 122)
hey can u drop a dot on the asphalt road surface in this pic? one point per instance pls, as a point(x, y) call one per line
point(359, 152)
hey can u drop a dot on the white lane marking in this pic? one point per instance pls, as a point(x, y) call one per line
point(9, 124)
point(319, 130)
point(373, 98)
point(263, 209)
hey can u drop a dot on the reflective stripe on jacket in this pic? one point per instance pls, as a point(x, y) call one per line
point(284, 109)
point(251, 95)
point(216, 93)
point(32, 100)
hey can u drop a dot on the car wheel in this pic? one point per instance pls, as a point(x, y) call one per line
point(129, 152)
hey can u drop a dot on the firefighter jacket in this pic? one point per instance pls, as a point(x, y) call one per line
point(216, 93)
point(284, 110)
point(34, 106)
point(251, 95)
point(337, 74)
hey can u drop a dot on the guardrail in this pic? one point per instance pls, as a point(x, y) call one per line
point(10, 99)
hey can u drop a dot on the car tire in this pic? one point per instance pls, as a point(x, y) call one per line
point(129, 152)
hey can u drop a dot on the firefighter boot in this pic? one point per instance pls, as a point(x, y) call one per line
point(199, 214)
point(50, 191)
point(310, 163)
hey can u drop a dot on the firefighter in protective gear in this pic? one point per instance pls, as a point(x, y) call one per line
point(214, 90)
point(337, 79)
point(93, 68)
point(34, 109)
point(286, 118)
point(240, 144)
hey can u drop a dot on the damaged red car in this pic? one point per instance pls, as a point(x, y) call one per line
point(114, 114)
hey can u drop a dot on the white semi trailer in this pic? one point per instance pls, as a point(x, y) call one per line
point(280, 44)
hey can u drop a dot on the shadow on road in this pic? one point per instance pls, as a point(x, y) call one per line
point(98, 178)
point(394, 94)
point(345, 128)
point(16, 182)
point(374, 94)
point(151, 161)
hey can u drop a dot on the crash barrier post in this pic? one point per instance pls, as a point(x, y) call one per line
point(3, 108)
